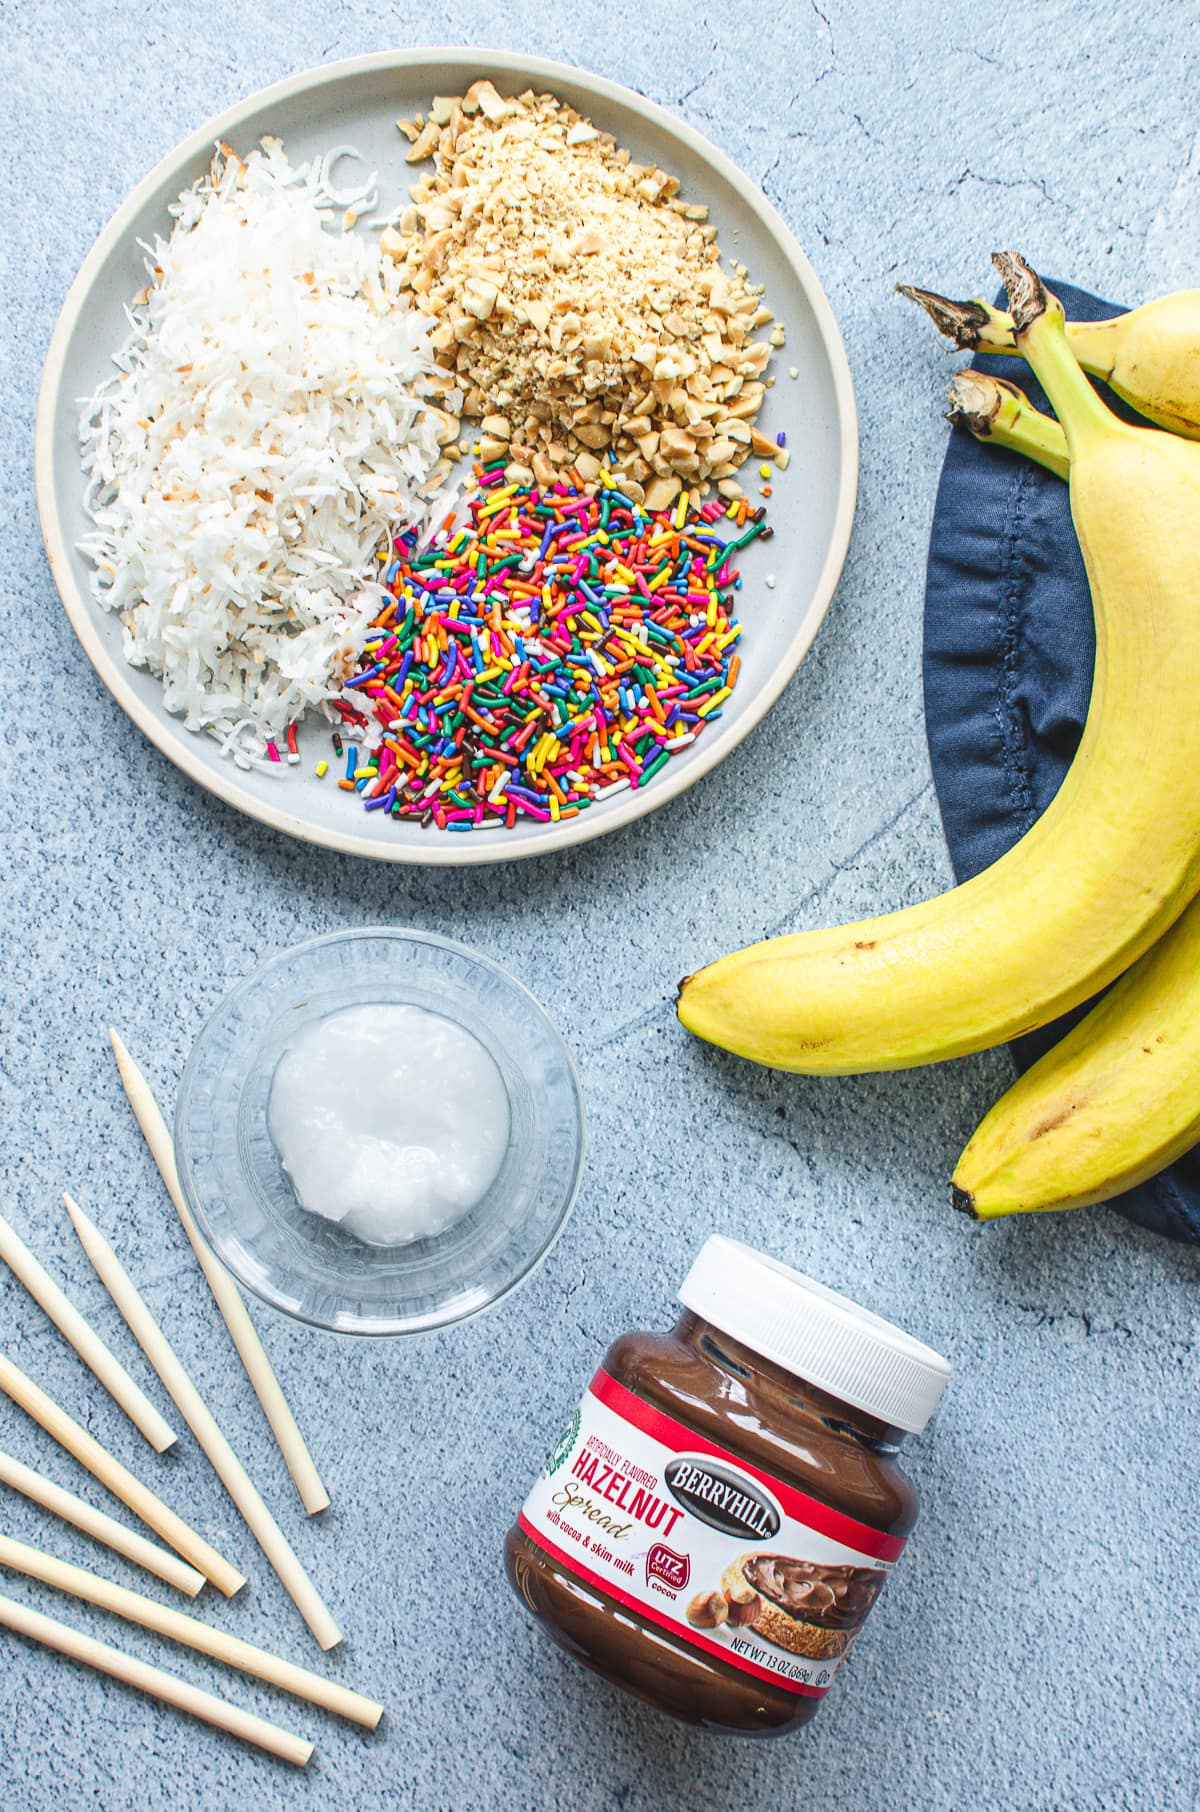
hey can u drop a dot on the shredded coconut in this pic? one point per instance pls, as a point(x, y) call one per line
point(275, 415)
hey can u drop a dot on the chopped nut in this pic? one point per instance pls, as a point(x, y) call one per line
point(754, 359)
point(488, 101)
point(479, 298)
point(675, 444)
point(742, 405)
point(509, 247)
point(423, 145)
point(661, 492)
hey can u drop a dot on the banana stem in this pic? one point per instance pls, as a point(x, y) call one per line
point(1040, 327)
point(975, 326)
point(999, 412)
point(978, 327)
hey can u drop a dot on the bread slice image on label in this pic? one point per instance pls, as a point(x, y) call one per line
point(803, 1606)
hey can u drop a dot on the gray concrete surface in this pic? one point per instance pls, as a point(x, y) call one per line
point(1039, 1648)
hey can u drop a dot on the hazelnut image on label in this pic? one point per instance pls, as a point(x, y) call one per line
point(743, 1605)
point(707, 1611)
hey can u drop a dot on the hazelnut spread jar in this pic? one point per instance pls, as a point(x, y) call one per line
point(726, 1504)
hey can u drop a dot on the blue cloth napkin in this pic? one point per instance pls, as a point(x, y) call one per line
point(1009, 651)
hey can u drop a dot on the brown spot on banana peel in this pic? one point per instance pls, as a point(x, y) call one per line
point(963, 1202)
point(1052, 1121)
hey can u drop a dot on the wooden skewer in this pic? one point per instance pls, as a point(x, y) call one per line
point(106, 1529)
point(196, 1414)
point(231, 1650)
point(118, 1479)
point(91, 1349)
point(152, 1680)
point(241, 1329)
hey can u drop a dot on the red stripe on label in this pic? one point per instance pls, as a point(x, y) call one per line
point(689, 1637)
point(798, 1505)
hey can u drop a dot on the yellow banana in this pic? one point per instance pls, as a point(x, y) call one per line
point(1107, 867)
point(1150, 357)
point(997, 411)
point(1118, 1099)
point(1114, 1103)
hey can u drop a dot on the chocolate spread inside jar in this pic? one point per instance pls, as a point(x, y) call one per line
point(725, 1506)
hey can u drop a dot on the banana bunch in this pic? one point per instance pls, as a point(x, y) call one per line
point(1119, 1098)
point(1092, 890)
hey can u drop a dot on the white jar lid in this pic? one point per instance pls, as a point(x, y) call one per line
point(815, 1333)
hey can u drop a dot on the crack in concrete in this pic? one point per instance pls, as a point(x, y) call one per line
point(695, 87)
point(1049, 1318)
point(824, 19)
point(789, 138)
point(649, 1015)
point(1002, 182)
point(969, 50)
point(839, 865)
point(639, 1021)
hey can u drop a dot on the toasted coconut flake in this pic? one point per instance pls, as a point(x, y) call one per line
point(274, 415)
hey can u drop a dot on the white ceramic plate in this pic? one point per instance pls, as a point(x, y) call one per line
point(359, 101)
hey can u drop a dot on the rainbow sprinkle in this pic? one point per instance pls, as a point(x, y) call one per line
point(550, 650)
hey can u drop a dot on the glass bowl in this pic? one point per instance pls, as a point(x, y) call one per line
point(307, 1265)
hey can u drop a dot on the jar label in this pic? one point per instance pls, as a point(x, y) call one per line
point(725, 1556)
